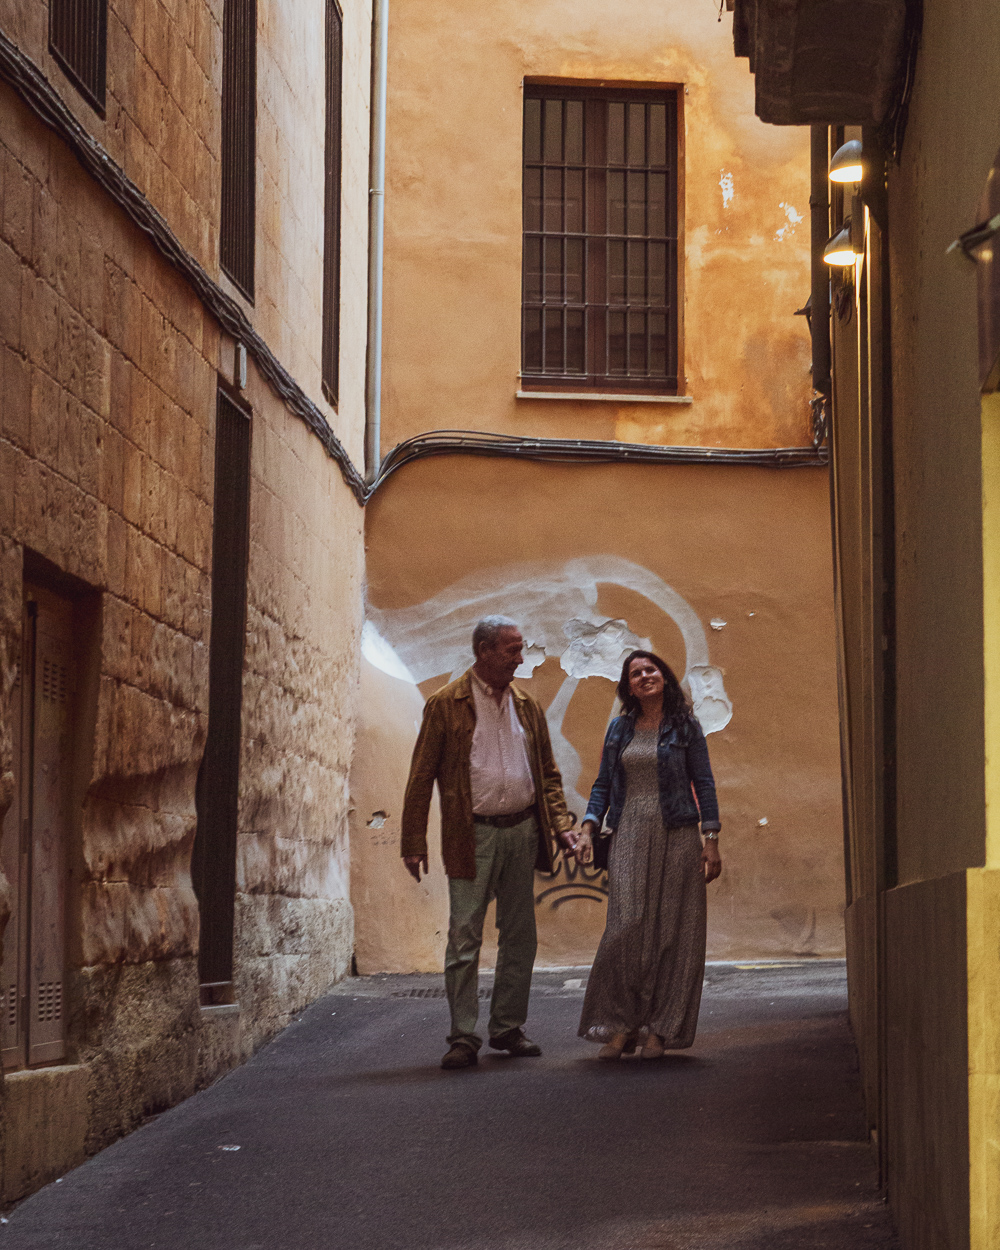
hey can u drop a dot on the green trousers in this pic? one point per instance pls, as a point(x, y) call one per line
point(505, 870)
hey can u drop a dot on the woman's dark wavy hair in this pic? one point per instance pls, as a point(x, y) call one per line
point(676, 707)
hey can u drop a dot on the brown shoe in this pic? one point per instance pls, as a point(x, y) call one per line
point(653, 1047)
point(460, 1056)
point(516, 1044)
point(614, 1048)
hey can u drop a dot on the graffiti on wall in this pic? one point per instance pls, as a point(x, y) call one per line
point(555, 605)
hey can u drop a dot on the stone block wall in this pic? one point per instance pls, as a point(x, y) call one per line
point(109, 370)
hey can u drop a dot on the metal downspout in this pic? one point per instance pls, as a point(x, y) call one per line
point(376, 235)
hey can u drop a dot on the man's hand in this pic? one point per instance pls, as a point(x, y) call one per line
point(413, 864)
point(711, 860)
point(584, 846)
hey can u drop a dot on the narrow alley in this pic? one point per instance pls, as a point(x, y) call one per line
point(345, 1132)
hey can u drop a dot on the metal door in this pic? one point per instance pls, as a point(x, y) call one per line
point(14, 857)
point(51, 795)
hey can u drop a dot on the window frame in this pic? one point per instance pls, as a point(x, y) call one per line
point(593, 381)
point(333, 189)
point(66, 19)
point(238, 203)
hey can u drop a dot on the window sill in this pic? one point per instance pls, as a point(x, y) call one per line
point(599, 397)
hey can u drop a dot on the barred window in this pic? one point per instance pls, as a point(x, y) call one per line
point(331, 240)
point(600, 240)
point(78, 39)
point(237, 229)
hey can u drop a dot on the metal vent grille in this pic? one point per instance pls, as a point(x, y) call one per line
point(54, 682)
point(78, 41)
point(433, 992)
point(239, 142)
point(10, 1005)
point(331, 240)
point(49, 1001)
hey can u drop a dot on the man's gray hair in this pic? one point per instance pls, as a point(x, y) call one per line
point(488, 631)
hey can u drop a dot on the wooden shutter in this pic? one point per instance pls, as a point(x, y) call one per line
point(78, 41)
point(239, 143)
point(331, 239)
point(213, 865)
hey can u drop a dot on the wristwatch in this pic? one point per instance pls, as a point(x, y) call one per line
point(711, 837)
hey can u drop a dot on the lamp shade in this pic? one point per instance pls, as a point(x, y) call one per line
point(845, 164)
point(840, 250)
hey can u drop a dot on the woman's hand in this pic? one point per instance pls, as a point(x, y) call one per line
point(585, 843)
point(711, 860)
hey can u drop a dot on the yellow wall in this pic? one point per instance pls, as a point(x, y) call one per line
point(725, 570)
point(984, 884)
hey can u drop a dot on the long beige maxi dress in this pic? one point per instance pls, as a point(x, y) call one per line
point(650, 965)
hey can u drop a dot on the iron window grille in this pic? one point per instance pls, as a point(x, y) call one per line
point(78, 39)
point(331, 239)
point(239, 143)
point(600, 255)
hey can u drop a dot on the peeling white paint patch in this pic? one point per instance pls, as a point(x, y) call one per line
point(718, 623)
point(762, 822)
point(378, 820)
point(726, 183)
point(533, 656)
point(554, 604)
point(599, 650)
point(794, 218)
point(380, 654)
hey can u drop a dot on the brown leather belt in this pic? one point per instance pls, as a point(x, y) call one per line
point(504, 822)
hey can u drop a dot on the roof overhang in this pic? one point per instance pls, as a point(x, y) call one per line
point(826, 62)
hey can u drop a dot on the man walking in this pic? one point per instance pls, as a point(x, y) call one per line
point(486, 744)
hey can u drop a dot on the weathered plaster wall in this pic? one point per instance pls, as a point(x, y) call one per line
point(109, 369)
point(453, 208)
point(664, 550)
point(669, 565)
point(403, 925)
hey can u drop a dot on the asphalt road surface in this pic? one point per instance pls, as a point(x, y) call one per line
point(345, 1133)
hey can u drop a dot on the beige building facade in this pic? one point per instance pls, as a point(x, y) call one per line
point(627, 414)
point(181, 545)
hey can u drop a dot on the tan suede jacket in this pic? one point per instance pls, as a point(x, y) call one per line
point(442, 754)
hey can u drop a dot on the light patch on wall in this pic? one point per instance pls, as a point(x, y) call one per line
point(381, 655)
point(718, 623)
point(794, 218)
point(533, 656)
point(728, 190)
point(554, 604)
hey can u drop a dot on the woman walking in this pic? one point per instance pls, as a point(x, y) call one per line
point(648, 972)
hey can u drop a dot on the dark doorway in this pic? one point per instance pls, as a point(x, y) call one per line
point(213, 863)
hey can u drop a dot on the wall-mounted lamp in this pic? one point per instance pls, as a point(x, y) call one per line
point(840, 249)
point(845, 164)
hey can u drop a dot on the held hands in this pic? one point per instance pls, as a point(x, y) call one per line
point(413, 865)
point(711, 860)
point(584, 846)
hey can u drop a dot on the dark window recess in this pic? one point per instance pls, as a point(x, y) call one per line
point(239, 142)
point(331, 233)
point(213, 861)
point(78, 39)
point(600, 239)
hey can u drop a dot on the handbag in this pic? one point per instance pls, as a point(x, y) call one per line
point(601, 843)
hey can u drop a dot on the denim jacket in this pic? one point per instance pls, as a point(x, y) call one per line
point(682, 763)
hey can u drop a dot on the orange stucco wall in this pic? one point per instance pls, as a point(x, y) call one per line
point(726, 571)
